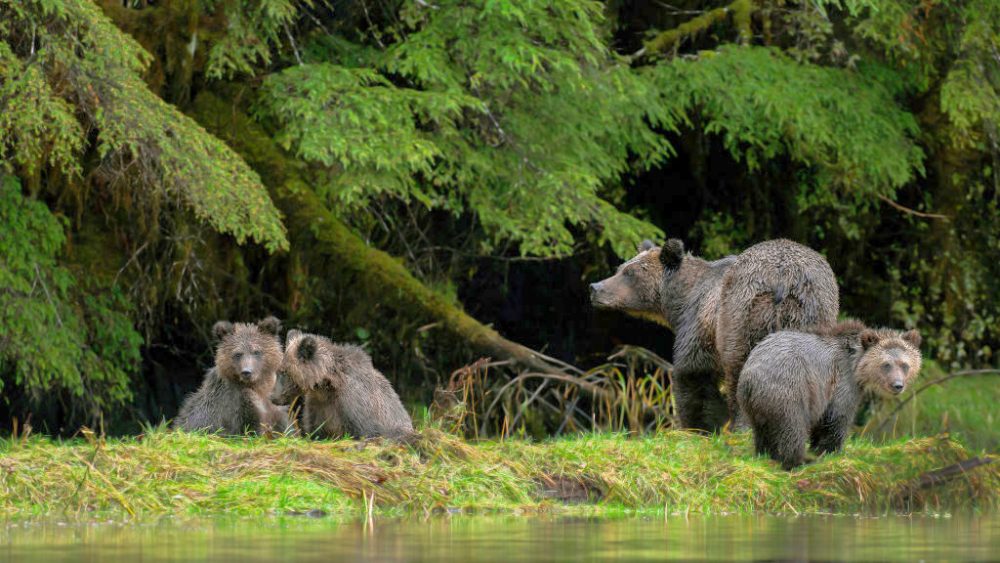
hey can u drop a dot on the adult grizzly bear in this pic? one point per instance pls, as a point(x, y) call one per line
point(799, 386)
point(234, 398)
point(343, 392)
point(719, 310)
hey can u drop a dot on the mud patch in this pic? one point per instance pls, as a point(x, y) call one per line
point(569, 490)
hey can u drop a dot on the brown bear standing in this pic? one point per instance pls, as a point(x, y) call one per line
point(235, 395)
point(719, 310)
point(344, 393)
point(798, 387)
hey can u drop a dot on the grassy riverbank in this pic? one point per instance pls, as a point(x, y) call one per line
point(165, 472)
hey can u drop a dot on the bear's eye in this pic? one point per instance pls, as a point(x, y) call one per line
point(237, 355)
point(886, 367)
point(905, 367)
point(256, 353)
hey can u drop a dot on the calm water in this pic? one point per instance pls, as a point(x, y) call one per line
point(480, 538)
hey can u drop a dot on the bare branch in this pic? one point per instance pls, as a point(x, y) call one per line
point(914, 212)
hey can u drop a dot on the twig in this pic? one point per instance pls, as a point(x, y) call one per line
point(48, 296)
point(590, 387)
point(130, 260)
point(371, 26)
point(295, 48)
point(524, 406)
point(914, 212)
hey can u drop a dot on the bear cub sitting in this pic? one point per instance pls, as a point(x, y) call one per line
point(234, 398)
point(343, 392)
point(799, 386)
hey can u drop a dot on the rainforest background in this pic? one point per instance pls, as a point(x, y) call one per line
point(441, 179)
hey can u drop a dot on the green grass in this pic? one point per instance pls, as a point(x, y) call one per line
point(964, 407)
point(176, 473)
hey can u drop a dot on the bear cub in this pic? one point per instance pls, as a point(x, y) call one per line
point(343, 392)
point(234, 398)
point(806, 386)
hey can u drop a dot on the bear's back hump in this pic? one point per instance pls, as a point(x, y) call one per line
point(781, 269)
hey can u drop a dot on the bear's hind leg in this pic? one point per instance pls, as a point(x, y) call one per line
point(783, 440)
point(830, 433)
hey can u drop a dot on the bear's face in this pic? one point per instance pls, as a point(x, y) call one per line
point(637, 286)
point(249, 354)
point(307, 362)
point(890, 361)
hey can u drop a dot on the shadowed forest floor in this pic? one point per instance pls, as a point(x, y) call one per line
point(172, 473)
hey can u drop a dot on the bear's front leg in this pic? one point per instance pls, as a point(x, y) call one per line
point(699, 403)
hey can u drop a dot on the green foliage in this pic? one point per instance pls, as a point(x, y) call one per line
point(255, 28)
point(37, 126)
point(970, 94)
point(763, 104)
point(57, 338)
point(516, 113)
point(70, 47)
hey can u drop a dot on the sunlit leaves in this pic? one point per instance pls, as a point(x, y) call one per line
point(36, 125)
point(69, 47)
point(514, 112)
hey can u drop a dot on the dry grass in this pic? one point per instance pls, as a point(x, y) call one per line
point(630, 392)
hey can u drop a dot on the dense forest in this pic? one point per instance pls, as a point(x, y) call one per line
point(439, 180)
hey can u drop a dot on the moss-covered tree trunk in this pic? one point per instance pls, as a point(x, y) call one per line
point(311, 225)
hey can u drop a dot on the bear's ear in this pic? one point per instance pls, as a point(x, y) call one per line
point(646, 245)
point(292, 334)
point(222, 329)
point(672, 254)
point(270, 325)
point(307, 349)
point(913, 337)
point(869, 338)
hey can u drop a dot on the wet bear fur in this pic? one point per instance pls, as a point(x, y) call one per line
point(343, 393)
point(234, 397)
point(799, 387)
point(719, 310)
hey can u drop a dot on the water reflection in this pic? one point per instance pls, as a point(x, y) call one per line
point(480, 538)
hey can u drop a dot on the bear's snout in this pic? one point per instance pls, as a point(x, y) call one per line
point(598, 295)
point(897, 387)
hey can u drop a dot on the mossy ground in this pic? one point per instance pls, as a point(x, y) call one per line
point(176, 473)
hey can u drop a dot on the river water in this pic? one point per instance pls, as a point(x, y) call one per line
point(510, 538)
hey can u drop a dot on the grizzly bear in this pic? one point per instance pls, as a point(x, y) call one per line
point(719, 310)
point(343, 392)
point(799, 386)
point(234, 398)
